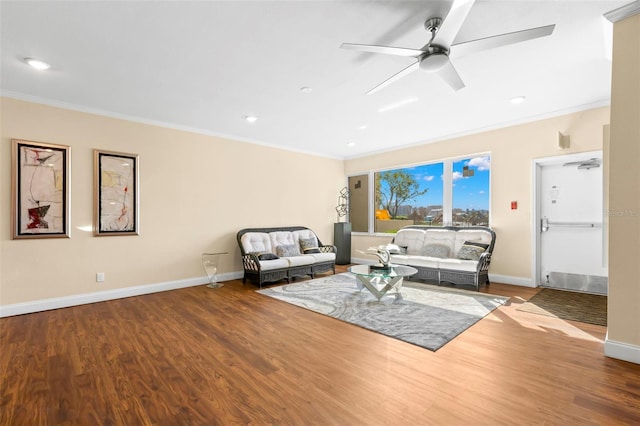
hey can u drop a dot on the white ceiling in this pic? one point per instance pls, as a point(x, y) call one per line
point(205, 65)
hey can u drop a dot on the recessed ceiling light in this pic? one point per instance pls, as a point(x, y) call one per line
point(350, 144)
point(251, 118)
point(306, 89)
point(517, 100)
point(364, 126)
point(37, 64)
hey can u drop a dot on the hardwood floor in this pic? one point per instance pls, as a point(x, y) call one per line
point(231, 356)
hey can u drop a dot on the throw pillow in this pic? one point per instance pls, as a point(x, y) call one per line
point(287, 250)
point(436, 250)
point(311, 250)
point(308, 243)
point(267, 256)
point(470, 252)
point(475, 243)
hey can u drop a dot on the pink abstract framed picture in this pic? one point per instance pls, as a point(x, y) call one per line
point(116, 198)
point(40, 192)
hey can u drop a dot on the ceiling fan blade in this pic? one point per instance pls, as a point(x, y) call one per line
point(472, 46)
point(408, 70)
point(387, 50)
point(452, 23)
point(449, 74)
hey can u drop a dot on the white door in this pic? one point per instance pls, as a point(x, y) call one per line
point(572, 242)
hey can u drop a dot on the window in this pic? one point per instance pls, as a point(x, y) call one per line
point(450, 192)
point(408, 196)
point(471, 191)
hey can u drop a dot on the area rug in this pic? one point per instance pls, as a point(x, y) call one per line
point(568, 305)
point(426, 316)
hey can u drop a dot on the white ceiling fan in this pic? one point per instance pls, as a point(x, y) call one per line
point(433, 57)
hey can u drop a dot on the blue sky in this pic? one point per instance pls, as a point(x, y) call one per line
point(468, 192)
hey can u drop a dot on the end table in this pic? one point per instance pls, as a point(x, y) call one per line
point(210, 265)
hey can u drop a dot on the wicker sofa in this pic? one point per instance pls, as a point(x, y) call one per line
point(458, 255)
point(273, 254)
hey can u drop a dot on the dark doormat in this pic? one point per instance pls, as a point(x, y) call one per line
point(569, 305)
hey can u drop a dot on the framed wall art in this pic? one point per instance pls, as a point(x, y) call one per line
point(116, 198)
point(40, 192)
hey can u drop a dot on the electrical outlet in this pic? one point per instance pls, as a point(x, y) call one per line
point(100, 277)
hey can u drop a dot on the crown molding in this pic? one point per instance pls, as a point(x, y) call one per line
point(623, 12)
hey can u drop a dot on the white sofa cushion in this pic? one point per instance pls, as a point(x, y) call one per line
point(259, 242)
point(475, 235)
point(424, 261)
point(323, 257)
point(279, 238)
point(268, 265)
point(302, 260)
point(458, 265)
point(412, 239)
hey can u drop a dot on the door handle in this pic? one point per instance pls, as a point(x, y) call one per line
point(544, 224)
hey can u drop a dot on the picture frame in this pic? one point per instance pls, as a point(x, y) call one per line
point(40, 189)
point(116, 193)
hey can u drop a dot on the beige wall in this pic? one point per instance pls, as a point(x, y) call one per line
point(624, 186)
point(512, 151)
point(196, 192)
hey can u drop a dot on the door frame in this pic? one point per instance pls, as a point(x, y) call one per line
point(536, 166)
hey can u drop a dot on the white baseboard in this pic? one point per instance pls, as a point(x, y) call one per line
point(507, 279)
point(502, 279)
point(102, 296)
point(621, 351)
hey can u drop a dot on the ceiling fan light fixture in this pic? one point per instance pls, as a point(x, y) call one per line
point(434, 62)
point(37, 64)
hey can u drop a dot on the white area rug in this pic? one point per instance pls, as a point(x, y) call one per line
point(427, 316)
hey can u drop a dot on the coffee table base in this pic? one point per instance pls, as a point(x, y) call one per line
point(371, 283)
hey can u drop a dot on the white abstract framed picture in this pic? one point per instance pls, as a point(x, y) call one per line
point(40, 183)
point(117, 193)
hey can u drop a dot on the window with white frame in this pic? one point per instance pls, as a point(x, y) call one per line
point(450, 192)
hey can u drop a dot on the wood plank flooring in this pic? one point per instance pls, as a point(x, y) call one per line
point(200, 356)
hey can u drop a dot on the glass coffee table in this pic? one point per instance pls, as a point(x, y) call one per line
point(380, 280)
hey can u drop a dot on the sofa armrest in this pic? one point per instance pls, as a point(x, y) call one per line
point(328, 249)
point(484, 261)
point(250, 262)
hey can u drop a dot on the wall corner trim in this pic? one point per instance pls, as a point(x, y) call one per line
point(102, 296)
